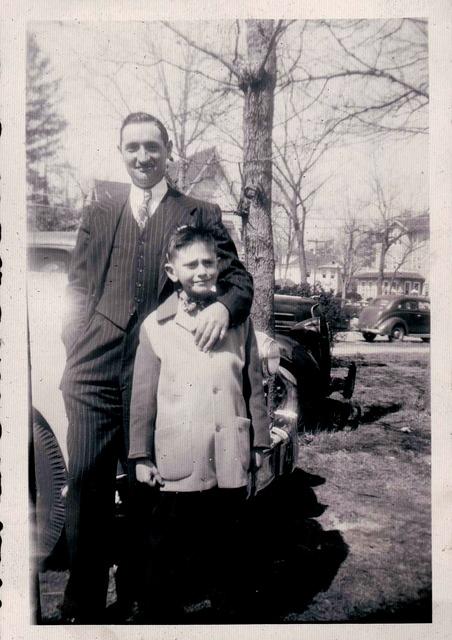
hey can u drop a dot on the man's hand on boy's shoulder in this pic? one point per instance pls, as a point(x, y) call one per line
point(212, 325)
point(147, 472)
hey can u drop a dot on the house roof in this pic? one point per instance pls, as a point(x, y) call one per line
point(201, 165)
point(110, 189)
point(415, 223)
point(389, 275)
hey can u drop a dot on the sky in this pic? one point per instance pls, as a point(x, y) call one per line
point(82, 54)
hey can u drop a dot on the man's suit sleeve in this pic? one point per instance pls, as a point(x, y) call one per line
point(235, 284)
point(143, 405)
point(74, 318)
point(254, 390)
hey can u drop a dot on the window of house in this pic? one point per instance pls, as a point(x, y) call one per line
point(407, 286)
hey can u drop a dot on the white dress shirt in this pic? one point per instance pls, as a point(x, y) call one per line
point(137, 196)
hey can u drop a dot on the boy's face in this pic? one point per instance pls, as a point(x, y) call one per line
point(195, 266)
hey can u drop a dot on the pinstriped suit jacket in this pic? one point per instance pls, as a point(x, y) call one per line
point(90, 259)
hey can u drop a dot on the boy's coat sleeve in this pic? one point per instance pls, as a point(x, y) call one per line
point(254, 391)
point(143, 406)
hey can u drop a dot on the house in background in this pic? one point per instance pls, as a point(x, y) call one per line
point(328, 276)
point(402, 282)
point(206, 179)
point(406, 262)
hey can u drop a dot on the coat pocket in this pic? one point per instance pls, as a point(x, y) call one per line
point(174, 451)
point(232, 453)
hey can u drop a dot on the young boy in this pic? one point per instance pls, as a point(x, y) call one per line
point(196, 420)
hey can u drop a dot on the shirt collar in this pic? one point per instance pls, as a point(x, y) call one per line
point(158, 193)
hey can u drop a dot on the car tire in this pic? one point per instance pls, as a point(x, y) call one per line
point(369, 337)
point(397, 333)
point(50, 476)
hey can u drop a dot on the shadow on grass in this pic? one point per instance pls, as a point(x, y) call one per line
point(292, 558)
point(374, 412)
point(298, 558)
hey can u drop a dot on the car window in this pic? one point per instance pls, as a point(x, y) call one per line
point(407, 305)
point(380, 303)
point(424, 306)
point(48, 259)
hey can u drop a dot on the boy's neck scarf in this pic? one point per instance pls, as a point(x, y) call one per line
point(192, 305)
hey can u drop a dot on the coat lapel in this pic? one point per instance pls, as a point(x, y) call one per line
point(106, 216)
point(171, 308)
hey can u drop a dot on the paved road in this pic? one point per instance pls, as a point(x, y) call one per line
point(352, 343)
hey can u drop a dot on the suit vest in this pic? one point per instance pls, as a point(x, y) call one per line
point(131, 282)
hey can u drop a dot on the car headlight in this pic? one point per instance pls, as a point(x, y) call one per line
point(269, 353)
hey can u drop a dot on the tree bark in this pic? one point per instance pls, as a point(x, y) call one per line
point(381, 268)
point(299, 234)
point(258, 84)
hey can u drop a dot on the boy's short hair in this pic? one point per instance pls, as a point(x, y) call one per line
point(188, 234)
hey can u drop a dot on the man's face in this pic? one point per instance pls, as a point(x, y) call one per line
point(196, 268)
point(144, 153)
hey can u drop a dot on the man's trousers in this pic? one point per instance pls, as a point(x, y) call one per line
point(96, 388)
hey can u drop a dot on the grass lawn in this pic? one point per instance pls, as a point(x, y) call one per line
point(377, 489)
point(347, 536)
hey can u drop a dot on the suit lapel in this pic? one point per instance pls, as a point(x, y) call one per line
point(105, 221)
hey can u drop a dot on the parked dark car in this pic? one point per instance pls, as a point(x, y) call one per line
point(396, 317)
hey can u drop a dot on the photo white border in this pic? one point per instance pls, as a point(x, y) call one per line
point(14, 570)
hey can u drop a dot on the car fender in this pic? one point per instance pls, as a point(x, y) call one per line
point(386, 326)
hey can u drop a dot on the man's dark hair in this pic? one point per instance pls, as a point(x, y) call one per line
point(186, 235)
point(141, 116)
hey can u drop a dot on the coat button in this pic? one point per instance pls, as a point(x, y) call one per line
point(218, 427)
point(215, 390)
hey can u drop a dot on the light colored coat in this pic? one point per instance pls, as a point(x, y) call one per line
point(196, 415)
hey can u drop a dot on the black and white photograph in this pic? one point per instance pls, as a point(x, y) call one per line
point(229, 260)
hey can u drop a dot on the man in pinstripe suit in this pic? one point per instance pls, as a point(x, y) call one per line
point(116, 279)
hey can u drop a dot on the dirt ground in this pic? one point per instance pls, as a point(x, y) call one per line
point(377, 492)
point(347, 535)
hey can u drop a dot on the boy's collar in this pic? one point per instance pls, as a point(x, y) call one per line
point(168, 308)
point(173, 306)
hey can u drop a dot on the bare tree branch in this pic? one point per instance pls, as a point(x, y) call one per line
point(213, 54)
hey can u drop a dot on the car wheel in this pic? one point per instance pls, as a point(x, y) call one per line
point(397, 333)
point(369, 337)
point(51, 478)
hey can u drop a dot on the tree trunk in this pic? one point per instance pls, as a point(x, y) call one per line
point(299, 237)
point(381, 269)
point(182, 174)
point(258, 85)
point(299, 234)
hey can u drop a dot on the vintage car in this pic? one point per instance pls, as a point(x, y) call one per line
point(396, 316)
point(299, 361)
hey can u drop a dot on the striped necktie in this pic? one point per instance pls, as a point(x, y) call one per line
point(143, 209)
